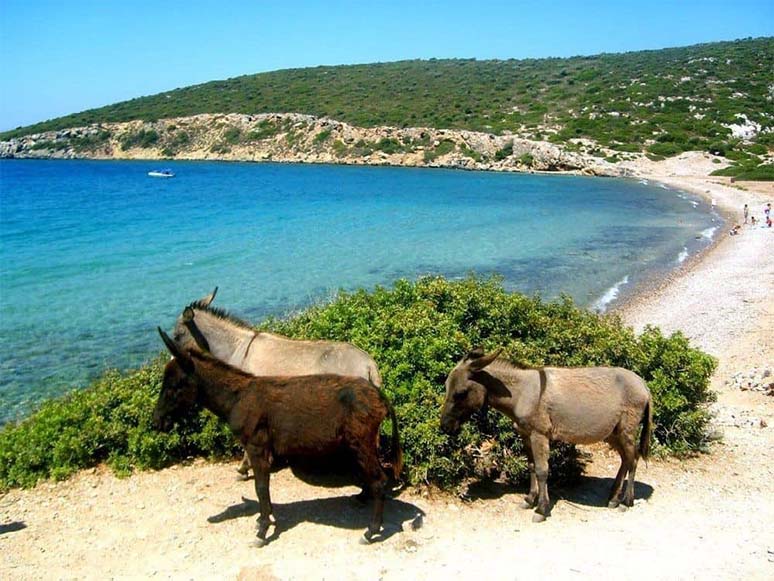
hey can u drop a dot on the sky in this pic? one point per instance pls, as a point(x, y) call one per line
point(66, 56)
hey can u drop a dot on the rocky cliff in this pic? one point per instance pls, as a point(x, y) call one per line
point(307, 139)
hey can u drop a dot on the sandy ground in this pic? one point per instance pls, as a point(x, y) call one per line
point(708, 518)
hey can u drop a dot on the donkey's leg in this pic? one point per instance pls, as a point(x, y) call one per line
point(615, 492)
point(259, 460)
point(244, 467)
point(376, 481)
point(531, 498)
point(540, 450)
point(630, 449)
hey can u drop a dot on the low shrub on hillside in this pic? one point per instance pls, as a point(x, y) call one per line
point(142, 138)
point(416, 331)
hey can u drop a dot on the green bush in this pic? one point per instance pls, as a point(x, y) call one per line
point(444, 146)
point(232, 135)
point(665, 149)
point(390, 145)
point(143, 138)
point(505, 151)
point(110, 421)
point(265, 130)
point(416, 331)
point(323, 136)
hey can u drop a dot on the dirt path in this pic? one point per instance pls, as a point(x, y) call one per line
point(708, 518)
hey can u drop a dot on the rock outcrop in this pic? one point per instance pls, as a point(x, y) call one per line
point(302, 139)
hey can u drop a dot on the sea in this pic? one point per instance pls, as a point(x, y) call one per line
point(94, 255)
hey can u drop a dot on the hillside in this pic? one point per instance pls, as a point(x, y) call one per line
point(681, 97)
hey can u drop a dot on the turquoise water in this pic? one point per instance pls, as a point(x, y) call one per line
point(94, 255)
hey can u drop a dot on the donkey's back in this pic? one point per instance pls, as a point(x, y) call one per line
point(586, 404)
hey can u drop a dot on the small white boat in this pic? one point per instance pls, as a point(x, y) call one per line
point(161, 173)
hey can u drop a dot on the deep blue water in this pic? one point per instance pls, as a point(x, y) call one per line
point(95, 254)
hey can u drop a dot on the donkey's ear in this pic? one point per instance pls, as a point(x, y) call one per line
point(188, 315)
point(475, 353)
point(184, 359)
point(479, 363)
point(207, 301)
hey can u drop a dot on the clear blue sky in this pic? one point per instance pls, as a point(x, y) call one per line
point(64, 56)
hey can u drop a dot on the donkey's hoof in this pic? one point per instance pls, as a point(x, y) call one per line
point(259, 543)
point(537, 517)
point(242, 477)
point(613, 504)
point(365, 539)
point(527, 503)
point(622, 508)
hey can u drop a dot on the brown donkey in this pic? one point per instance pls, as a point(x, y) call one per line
point(284, 417)
point(213, 330)
point(574, 405)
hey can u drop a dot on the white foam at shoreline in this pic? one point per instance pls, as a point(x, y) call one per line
point(600, 305)
point(709, 233)
point(683, 255)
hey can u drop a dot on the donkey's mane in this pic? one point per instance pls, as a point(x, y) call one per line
point(222, 314)
point(512, 366)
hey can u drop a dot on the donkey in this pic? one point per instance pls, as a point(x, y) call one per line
point(227, 338)
point(575, 405)
point(293, 418)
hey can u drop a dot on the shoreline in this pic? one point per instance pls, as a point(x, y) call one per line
point(721, 298)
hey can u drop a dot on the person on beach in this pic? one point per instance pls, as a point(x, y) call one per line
point(735, 230)
point(767, 211)
point(746, 211)
point(753, 220)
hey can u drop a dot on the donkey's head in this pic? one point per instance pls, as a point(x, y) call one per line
point(187, 334)
point(178, 388)
point(464, 395)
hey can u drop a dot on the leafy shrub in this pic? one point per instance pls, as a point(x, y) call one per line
point(339, 148)
point(390, 145)
point(220, 148)
point(505, 151)
point(48, 144)
point(527, 159)
point(232, 135)
point(444, 146)
point(416, 332)
point(110, 421)
point(665, 149)
point(471, 153)
point(143, 138)
point(322, 137)
point(265, 130)
point(90, 141)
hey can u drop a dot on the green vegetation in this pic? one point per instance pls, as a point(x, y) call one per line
point(322, 137)
point(265, 130)
point(232, 136)
point(681, 96)
point(416, 332)
point(444, 146)
point(142, 138)
point(505, 151)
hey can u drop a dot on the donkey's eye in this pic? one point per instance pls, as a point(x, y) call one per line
point(460, 395)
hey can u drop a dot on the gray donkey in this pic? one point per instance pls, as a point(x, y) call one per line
point(575, 405)
point(212, 330)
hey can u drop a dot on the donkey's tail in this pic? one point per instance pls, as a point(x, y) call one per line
point(647, 429)
point(374, 376)
point(396, 451)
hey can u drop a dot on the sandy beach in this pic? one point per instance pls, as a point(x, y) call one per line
point(704, 518)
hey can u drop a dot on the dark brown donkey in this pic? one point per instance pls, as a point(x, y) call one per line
point(284, 417)
point(575, 405)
